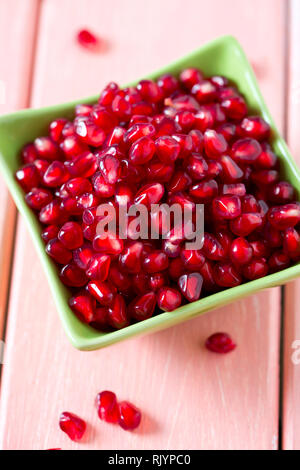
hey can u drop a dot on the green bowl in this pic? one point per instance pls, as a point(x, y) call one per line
point(222, 56)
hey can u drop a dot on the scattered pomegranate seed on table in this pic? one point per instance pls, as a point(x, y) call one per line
point(88, 40)
point(124, 413)
point(220, 343)
point(72, 425)
point(183, 140)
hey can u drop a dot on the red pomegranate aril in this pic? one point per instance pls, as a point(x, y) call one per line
point(196, 167)
point(167, 149)
point(70, 235)
point(214, 169)
point(226, 275)
point(285, 216)
point(149, 194)
point(197, 139)
point(204, 92)
point(84, 165)
point(185, 142)
point(264, 177)
point(82, 256)
point(129, 416)
point(41, 166)
point(237, 189)
point(72, 147)
point(245, 151)
point(89, 133)
point(103, 292)
point(158, 280)
point(117, 314)
point(241, 251)
point(256, 269)
point(155, 262)
point(150, 91)
point(137, 131)
point(58, 251)
point(245, 224)
point(83, 305)
point(107, 406)
point(228, 131)
point(88, 40)
point(220, 343)
point(110, 168)
point(226, 207)
point(234, 107)
point(212, 249)
point(46, 148)
point(190, 286)
point(38, 198)
point(72, 276)
point(167, 84)
point(103, 118)
point(192, 259)
point(121, 108)
point(176, 268)
point(190, 77)
point(143, 307)
point(130, 258)
point(250, 204)
point(98, 267)
point(108, 94)
point(108, 243)
point(168, 299)
point(185, 120)
point(142, 151)
point(101, 188)
point(29, 153)
point(181, 103)
point(231, 171)
point(214, 144)
point(266, 159)
point(204, 119)
point(204, 191)
point(179, 182)
point(207, 272)
point(172, 250)
point(56, 128)
point(28, 177)
point(51, 213)
point(159, 171)
point(291, 243)
point(278, 261)
point(260, 248)
point(50, 232)
point(56, 174)
point(255, 127)
point(281, 193)
point(219, 81)
point(72, 425)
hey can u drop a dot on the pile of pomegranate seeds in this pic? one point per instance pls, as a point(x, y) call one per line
point(186, 140)
point(123, 413)
point(220, 343)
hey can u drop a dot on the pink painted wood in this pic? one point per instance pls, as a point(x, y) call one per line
point(291, 364)
point(191, 399)
point(17, 39)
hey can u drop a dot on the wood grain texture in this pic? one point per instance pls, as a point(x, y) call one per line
point(291, 363)
point(191, 399)
point(17, 31)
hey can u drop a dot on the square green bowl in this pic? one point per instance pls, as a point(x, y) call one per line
point(223, 56)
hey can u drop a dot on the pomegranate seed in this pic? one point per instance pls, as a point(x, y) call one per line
point(72, 147)
point(204, 92)
point(102, 291)
point(83, 305)
point(190, 286)
point(72, 276)
point(149, 194)
point(185, 142)
point(167, 84)
point(168, 299)
point(255, 127)
point(155, 262)
point(158, 280)
point(130, 258)
point(225, 275)
point(204, 191)
point(291, 243)
point(245, 224)
point(220, 343)
point(265, 177)
point(278, 261)
point(110, 168)
point(182, 103)
point(197, 139)
point(281, 193)
point(108, 243)
point(58, 251)
point(214, 143)
point(28, 177)
point(51, 213)
point(226, 207)
point(231, 171)
point(266, 159)
point(137, 131)
point(119, 279)
point(107, 406)
point(142, 151)
point(149, 90)
point(101, 188)
point(212, 249)
point(143, 307)
point(89, 133)
point(249, 204)
point(196, 167)
point(241, 251)
point(117, 315)
point(129, 416)
point(72, 425)
point(237, 189)
point(56, 128)
point(190, 77)
point(84, 165)
point(192, 259)
point(286, 216)
point(260, 248)
point(234, 107)
point(29, 153)
point(207, 272)
point(83, 255)
point(245, 151)
point(88, 40)
point(46, 148)
point(70, 235)
point(158, 171)
point(98, 267)
point(179, 182)
point(50, 232)
point(56, 174)
point(185, 120)
point(167, 149)
point(38, 198)
point(121, 108)
point(228, 131)
point(255, 269)
point(108, 94)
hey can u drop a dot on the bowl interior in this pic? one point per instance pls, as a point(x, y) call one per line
point(223, 56)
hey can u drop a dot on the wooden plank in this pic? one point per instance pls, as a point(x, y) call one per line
point(291, 363)
point(16, 36)
point(191, 399)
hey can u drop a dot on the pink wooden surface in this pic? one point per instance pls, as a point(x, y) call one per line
point(190, 397)
point(291, 377)
point(17, 35)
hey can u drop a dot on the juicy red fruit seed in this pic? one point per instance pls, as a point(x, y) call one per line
point(245, 151)
point(38, 198)
point(168, 299)
point(87, 39)
point(167, 149)
point(220, 343)
point(214, 144)
point(143, 307)
point(142, 151)
point(190, 286)
point(103, 292)
point(129, 416)
point(227, 207)
point(241, 251)
point(72, 425)
point(286, 216)
point(107, 406)
point(28, 177)
point(84, 306)
point(71, 235)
